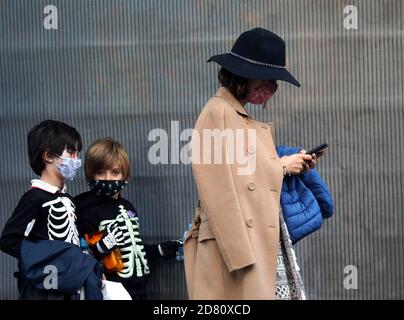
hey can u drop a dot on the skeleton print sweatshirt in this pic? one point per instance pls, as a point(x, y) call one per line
point(95, 213)
point(43, 213)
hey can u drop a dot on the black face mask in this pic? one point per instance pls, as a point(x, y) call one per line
point(107, 187)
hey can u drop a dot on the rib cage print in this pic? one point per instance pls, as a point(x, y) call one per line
point(62, 220)
point(133, 254)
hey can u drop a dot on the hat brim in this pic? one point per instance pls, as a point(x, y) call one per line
point(249, 70)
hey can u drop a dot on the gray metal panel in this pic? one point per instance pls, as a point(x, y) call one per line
point(122, 68)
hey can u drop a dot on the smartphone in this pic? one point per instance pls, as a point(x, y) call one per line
point(317, 149)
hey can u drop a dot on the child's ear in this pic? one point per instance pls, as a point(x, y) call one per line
point(47, 157)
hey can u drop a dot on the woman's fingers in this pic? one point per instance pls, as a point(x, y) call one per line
point(305, 168)
point(313, 162)
point(307, 157)
point(303, 162)
point(300, 162)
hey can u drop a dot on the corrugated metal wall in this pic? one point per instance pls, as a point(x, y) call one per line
point(123, 68)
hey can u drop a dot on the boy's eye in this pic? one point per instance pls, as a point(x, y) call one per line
point(73, 154)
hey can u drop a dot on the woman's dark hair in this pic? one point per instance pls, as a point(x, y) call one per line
point(53, 137)
point(236, 85)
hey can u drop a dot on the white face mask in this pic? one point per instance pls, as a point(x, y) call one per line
point(69, 167)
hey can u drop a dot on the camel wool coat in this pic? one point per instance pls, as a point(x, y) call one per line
point(231, 250)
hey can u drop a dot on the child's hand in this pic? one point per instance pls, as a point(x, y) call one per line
point(112, 239)
point(169, 248)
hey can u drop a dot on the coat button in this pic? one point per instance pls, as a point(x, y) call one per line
point(251, 149)
point(250, 223)
point(251, 186)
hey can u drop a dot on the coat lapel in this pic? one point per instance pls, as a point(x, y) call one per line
point(225, 94)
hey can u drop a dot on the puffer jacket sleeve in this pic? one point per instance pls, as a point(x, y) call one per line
point(318, 187)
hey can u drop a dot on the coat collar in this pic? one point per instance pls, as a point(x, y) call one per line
point(225, 94)
point(36, 183)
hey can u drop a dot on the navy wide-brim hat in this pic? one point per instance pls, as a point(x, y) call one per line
point(257, 54)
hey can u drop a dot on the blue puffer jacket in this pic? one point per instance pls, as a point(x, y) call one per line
point(75, 269)
point(305, 200)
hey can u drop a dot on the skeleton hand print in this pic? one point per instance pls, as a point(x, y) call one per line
point(61, 220)
point(130, 245)
point(114, 236)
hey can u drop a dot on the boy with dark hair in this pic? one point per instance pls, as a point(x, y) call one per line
point(46, 212)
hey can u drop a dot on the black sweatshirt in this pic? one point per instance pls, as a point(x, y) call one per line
point(40, 215)
point(95, 213)
point(43, 213)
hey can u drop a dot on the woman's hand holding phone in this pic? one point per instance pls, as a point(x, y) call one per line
point(315, 153)
point(296, 163)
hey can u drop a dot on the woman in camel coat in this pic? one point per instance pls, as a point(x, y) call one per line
point(231, 250)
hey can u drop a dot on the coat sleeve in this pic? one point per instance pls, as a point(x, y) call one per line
point(19, 225)
point(217, 191)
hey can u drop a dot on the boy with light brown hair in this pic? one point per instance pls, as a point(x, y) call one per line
point(103, 209)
